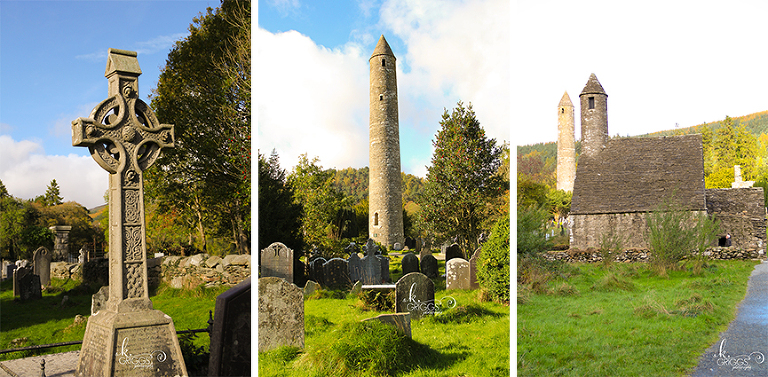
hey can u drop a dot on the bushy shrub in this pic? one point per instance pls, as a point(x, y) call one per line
point(493, 267)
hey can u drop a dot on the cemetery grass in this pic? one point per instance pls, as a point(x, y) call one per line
point(472, 339)
point(45, 321)
point(625, 320)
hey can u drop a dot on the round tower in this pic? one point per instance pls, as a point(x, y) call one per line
point(566, 144)
point(385, 203)
point(594, 117)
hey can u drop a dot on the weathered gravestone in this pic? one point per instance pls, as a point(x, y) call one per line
point(415, 293)
point(336, 274)
point(61, 241)
point(231, 333)
point(355, 265)
point(9, 270)
point(429, 266)
point(277, 261)
point(99, 300)
point(128, 337)
point(453, 251)
point(281, 314)
point(457, 274)
point(384, 263)
point(42, 265)
point(310, 287)
point(316, 271)
point(410, 263)
point(473, 284)
point(27, 284)
point(371, 272)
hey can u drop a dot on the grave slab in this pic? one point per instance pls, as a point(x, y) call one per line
point(231, 334)
point(281, 314)
point(400, 321)
point(415, 294)
point(457, 274)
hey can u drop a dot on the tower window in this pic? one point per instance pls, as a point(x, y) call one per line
point(562, 110)
point(375, 219)
point(383, 62)
point(591, 102)
point(381, 97)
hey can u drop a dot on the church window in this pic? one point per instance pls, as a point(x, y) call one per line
point(375, 219)
point(591, 102)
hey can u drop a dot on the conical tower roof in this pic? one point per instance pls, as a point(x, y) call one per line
point(565, 101)
point(593, 86)
point(382, 48)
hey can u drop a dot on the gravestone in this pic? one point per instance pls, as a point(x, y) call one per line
point(400, 321)
point(473, 284)
point(42, 265)
point(281, 314)
point(18, 274)
point(357, 288)
point(277, 261)
point(61, 241)
point(9, 270)
point(371, 272)
point(429, 266)
point(316, 271)
point(231, 333)
point(457, 274)
point(336, 274)
point(309, 288)
point(355, 265)
point(125, 138)
point(415, 294)
point(26, 284)
point(384, 263)
point(410, 263)
point(453, 251)
point(99, 299)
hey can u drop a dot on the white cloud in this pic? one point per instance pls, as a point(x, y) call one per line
point(62, 126)
point(285, 7)
point(160, 43)
point(26, 171)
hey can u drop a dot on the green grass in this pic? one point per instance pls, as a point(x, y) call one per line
point(472, 339)
point(44, 321)
point(626, 321)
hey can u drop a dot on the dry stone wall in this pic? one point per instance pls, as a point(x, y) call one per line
point(641, 255)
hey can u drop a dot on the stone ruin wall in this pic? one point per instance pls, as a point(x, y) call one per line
point(587, 231)
point(178, 272)
point(741, 214)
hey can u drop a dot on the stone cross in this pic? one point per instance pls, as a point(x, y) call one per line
point(737, 180)
point(125, 138)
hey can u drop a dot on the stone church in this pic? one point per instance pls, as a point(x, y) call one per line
point(618, 181)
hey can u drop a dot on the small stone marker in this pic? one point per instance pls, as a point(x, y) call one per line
point(473, 284)
point(277, 261)
point(429, 266)
point(453, 251)
point(415, 294)
point(231, 333)
point(316, 271)
point(61, 241)
point(410, 263)
point(128, 337)
point(357, 288)
point(337, 274)
point(400, 321)
point(384, 263)
point(457, 274)
point(99, 299)
point(310, 287)
point(281, 314)
point(27, 284)
point(355, 265)
point(371, 273)
point(42, 265)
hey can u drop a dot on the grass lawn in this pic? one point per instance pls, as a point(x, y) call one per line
point(45, 321)
point(625, 320)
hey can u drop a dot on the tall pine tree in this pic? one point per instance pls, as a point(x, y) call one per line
point(52, 195)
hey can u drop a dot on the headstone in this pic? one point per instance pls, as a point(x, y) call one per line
point(99, 299)
point(384, 263)
point(316, 270)
point(429, 266)
point(26, 284)
point(281, 314)
point(61, 241)
point(231, 333)
point(310, 287)
point(457, 274)
point(357, 287)
point(277, 261)
point(397, 246)
point(336, 274)
point(355, 265)
point(18, 274)
point(42, 265)
point(410, 263)
point(400, 321)
point(453, 251)
point(125, 138)
point(410, 243)
point(371, 272)
point(473, 284)
point(9, 270)
point(415, 294)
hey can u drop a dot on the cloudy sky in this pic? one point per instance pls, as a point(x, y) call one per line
point(52, 60)
point(312, 74)
point(662, 63)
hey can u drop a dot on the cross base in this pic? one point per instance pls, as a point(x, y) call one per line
point(141, 343)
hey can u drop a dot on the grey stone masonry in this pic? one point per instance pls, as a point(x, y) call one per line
point(566, 144)
point(594, 117)
point(61, 241)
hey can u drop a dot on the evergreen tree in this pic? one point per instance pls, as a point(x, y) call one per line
point(462, 180)
point(52, 195)
point(280, 216)
point(3, 191)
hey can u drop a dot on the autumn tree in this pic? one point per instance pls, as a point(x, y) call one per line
point(462, 180)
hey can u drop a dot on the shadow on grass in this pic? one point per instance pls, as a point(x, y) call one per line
point(15, 314)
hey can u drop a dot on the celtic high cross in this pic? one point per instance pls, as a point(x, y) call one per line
point(125, 138)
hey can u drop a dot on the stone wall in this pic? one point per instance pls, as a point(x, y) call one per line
point(642, 255)
point(741, 213)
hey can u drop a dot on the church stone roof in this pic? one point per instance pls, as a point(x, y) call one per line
point(382, 48)
point(593, 87)
point(638, 174)
point(565, 101)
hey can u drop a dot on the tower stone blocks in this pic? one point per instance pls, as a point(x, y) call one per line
point(566, 145)
point(385, 208)
point(594, 117)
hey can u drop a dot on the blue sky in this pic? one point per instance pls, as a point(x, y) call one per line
point(312, 74)
point(52, 62)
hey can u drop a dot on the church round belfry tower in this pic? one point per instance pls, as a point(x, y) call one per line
point(385, 206)
point(566, 144)
point(594, 117)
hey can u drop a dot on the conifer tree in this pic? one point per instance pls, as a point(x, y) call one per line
point(52, 195)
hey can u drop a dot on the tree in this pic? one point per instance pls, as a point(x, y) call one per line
point(3, 191)
point(280, 216)
point(493, 267)
point(731, 145)
point(52, 195)
point(204, 90)
point(20, 229)
point(462, 180)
